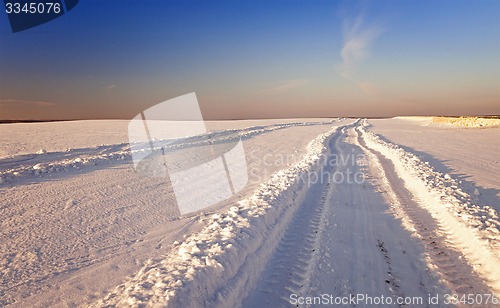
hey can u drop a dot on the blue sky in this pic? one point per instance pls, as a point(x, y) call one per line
point(253, 59)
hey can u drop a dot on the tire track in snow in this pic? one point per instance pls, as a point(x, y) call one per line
point(290, 268)
point(457, 249)
point(341, 242)
point(447, 262)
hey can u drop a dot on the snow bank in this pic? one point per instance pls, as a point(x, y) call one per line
point(473, 229)
point(92, 157)
point(467, 121)
point(218, 265)
point(44, 168)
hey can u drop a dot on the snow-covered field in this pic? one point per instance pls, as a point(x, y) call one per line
point(399, 208)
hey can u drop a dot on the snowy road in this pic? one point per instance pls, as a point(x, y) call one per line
point(346, 241)
point(343, 241)
point(348, 213)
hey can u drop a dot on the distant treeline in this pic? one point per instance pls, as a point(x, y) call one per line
point(30, 121)
point(479, 117)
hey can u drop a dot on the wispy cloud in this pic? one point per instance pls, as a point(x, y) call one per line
point(12, 102)
point(285, 85)
point(358, 40)
point(109, 88)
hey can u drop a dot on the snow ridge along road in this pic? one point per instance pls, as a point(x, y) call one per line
point(471, 229)
point(18, 167)
point(215, 266)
